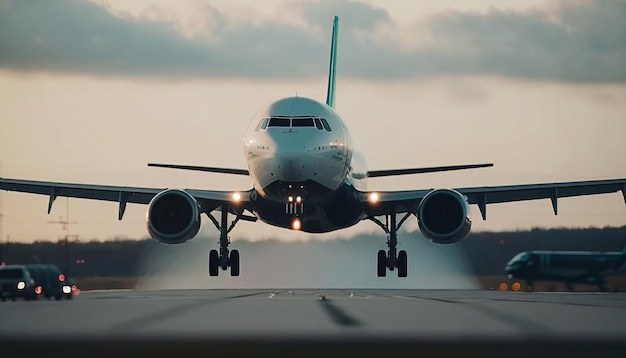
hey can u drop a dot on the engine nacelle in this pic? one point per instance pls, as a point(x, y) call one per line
point(173, 216)
point(444, 216)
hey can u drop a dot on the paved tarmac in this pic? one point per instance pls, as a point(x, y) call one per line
point(267, 322)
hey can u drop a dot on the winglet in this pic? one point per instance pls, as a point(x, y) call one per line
point(330, 92)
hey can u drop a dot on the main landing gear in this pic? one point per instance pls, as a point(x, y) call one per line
point(391, 259)
point(224, 258)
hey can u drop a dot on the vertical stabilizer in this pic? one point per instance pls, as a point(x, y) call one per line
point(330, 92)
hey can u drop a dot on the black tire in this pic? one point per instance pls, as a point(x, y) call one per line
point(381, 263)
point(402, 264)
point(58, 297)
point(234, 263)
point(214, 263)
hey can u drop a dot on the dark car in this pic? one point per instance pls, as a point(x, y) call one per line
point(16, 281)
point(50, 281)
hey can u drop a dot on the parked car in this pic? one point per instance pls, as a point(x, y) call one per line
point(50, 281)
point(16, 281)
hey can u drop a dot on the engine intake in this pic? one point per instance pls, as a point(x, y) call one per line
point(173, 216)
point(444, 216)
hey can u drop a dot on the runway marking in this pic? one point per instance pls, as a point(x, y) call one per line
point(272, 295)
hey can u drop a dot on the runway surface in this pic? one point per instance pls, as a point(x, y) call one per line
point(303, 321)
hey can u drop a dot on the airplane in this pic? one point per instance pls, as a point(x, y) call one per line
point(308, 174)
point(586, 267)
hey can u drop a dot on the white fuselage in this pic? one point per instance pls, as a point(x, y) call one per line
point(299, 147)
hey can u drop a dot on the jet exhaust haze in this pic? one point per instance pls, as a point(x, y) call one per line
point(338, 263)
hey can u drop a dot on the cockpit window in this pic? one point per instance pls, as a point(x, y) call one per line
point(326, 125)
point(280, 122)
point(318, 124)
point(302, 122)
point(260, 124)
point(265, 121)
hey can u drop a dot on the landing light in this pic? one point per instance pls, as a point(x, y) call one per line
point(67, 289)
point(21, 285)
point(61, 277)
point(298, 199)
point(236, 197)
point(503, 286)
point(295, 225)
point(516, 286)
point(373, 198)
point(290, 199)
point(38, 290)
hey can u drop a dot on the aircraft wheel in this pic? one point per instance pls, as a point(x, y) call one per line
point(234, 263)
point(402, 264)
point(214, 263)
point(382, 263)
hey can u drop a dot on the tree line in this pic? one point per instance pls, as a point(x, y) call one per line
point(486, 252)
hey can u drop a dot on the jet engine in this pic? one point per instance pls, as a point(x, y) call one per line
point(173, 216)
point(444, 216)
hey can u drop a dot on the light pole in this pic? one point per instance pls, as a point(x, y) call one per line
point(66, 226)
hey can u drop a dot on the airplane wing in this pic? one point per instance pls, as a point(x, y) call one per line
point(408, 201)
point(210, 199)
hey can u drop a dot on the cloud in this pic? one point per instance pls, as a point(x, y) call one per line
point(574, 41)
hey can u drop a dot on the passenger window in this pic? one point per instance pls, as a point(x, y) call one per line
point(326, 125)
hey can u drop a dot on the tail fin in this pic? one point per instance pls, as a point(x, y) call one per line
point(330, 92)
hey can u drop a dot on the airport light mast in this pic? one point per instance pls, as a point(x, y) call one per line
point(66, 226)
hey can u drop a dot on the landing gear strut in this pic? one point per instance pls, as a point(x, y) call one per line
point(224, 258)
point(391, 259)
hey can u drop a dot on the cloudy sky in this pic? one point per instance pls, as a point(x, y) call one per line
point(91, 91)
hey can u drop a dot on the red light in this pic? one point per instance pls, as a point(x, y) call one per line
point(38, 290)
point(74, 288)
point(61, 277)
point(76, 292)
point(296, 224)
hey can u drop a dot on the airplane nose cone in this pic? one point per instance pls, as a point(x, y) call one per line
point(291, 166)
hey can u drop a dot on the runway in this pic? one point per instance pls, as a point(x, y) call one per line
point(434, 321)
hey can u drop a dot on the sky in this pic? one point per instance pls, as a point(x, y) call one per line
point(91, 91)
